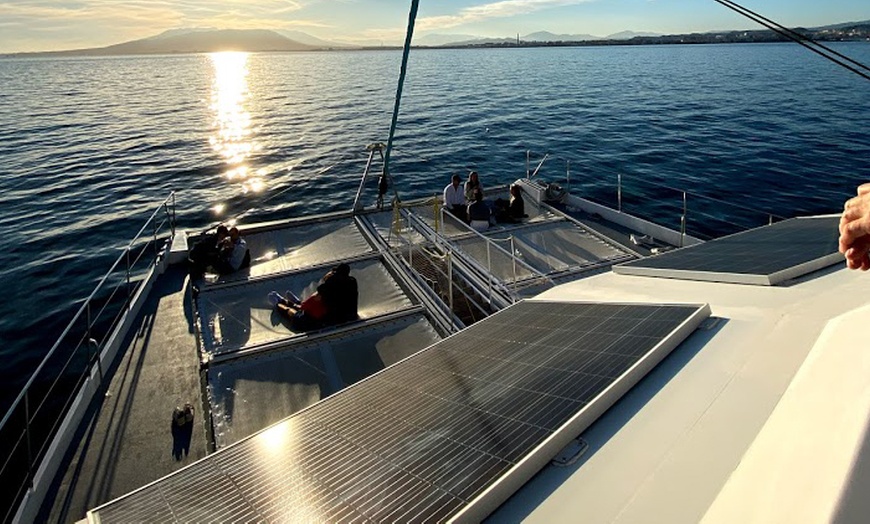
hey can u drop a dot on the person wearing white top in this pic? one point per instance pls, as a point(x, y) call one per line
point(454, 198)
point(235, 254)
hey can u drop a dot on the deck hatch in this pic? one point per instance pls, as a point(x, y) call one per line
point(763, 256)
point(448, 433)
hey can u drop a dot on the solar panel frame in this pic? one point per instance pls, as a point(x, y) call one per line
point(753, 257)
point(487, 502)
point(412, 480)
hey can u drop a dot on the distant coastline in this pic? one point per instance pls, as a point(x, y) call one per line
point(857, 33)
point(210, 41)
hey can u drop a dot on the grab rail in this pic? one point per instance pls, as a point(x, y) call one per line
point(34, 417)
point(490, 243)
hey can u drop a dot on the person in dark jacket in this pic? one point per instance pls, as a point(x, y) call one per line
point(478, 212)
point(206, 252)
point(340, 295)
point(513, 211)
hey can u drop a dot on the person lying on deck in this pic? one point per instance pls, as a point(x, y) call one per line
point(334, 302)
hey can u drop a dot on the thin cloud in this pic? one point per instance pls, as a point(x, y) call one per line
point(42, 25)
point(501, 9)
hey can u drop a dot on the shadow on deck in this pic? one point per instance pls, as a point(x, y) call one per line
point(128, 438)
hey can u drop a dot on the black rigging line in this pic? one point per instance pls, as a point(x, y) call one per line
point(821, 50)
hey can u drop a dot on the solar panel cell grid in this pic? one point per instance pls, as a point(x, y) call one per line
point(766, 255)
point(423, 439)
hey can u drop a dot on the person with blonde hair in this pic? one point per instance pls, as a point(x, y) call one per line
point(472, 184)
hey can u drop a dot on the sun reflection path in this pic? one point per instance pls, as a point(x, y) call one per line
point(232, 135)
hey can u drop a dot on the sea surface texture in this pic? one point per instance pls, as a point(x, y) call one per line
point(90, 146)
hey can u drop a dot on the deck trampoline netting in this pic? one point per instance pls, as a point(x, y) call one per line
point(248, 394)
point(236, 317)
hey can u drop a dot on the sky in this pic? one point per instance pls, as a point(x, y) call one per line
point(45, 25)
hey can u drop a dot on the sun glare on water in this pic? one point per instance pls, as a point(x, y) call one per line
point(232, 138)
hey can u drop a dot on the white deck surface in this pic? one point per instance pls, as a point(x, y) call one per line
point(760, 419)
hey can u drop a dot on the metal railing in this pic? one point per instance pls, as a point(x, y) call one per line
point(33, 420)
point(445, 279)
point(712, 217)
point(725, 220)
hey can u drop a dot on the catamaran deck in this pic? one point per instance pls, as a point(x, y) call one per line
point(244, 368)
point(759, 388)
point(129, 438)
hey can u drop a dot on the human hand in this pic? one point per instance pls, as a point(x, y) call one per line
point(855, 230)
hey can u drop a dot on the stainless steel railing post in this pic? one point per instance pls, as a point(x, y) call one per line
point(411, 254)
point(172, 216)
point(619, 192)
point(88, 319)
point(528, 171)
point(450, 280)
point(514, 260)
point(567, 176)
point(29, 438)
point(683, 221)
point(129, 291)
point(489, 269)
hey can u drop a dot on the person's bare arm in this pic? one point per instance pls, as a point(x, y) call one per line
point(855, 230)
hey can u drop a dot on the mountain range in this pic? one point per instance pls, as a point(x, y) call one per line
point(207, 40)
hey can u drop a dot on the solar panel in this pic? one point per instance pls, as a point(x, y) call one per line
point(446, 434)
point(764, 256)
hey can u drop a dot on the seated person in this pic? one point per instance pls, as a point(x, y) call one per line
point(305, 314)
point(206, 252)
point(340, 295)
point(472, 184)
point(234, 254)
point(478, 212)
point(511, 212)
point(454, 198)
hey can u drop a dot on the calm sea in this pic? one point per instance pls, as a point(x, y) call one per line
point(88, 146)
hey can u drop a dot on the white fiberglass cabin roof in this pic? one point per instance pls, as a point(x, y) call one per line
point(761, 416)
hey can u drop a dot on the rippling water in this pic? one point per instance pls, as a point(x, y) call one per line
point(88, 146)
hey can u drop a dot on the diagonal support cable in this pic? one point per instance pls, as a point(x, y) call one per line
point(412, 17)
point(816, 47)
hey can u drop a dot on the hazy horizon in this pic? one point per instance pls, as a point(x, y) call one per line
point(37, 25)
